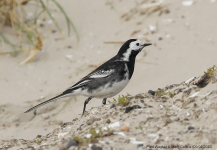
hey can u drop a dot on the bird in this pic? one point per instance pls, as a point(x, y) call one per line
point(108, 79)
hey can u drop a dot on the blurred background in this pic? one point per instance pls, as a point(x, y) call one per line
point(47, 46)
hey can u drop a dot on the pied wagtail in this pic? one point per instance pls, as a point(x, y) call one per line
point(108, 79)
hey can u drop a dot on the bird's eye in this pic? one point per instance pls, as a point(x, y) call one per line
point(137, 44)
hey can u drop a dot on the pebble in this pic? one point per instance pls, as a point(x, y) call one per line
point(91, 121)
point(94, 147)
point(190, 128)
point(139, 145)
point(108, 121)
point(151, 92)
point(124, 128)
point(136, 107)
point(128, 109)
point(152, 28)
point(187, 3)
point(168, 21)
point(112, 106)
point(71, 143)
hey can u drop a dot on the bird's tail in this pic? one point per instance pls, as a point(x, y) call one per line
point(45, 102)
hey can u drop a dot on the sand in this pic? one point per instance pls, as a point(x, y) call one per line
point(183, 47)
point(177, 116)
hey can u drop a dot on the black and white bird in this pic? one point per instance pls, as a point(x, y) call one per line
point(108, 79)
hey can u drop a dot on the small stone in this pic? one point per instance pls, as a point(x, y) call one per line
point(38, 136)
point(151, 92)
point(152, 28)
point(71, 143)
point(112, 106)
point(142, 101)
point(41, 25)
point(124, 128)
point(139, 145)
point(127, 141)
point(136, 107)
point(168, 21)
point(164, 98)
point(190, 128)
point(128, 109)
point(108, 121)
point(68, 56)
point(54, 31)
point(90, 121)
point(160, 38)
point(94, 147)
point(75, 119)
point(79, 128)
point(187, 3)
point(195, 105)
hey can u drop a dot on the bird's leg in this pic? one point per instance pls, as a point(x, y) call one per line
point(86, 102)
point(104, 101)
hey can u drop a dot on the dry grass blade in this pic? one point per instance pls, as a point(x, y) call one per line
point(31, 56)
point(146, 8)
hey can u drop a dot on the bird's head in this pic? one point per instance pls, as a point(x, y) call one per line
point(131, 48)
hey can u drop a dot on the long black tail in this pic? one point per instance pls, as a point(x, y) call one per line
point(48, 101)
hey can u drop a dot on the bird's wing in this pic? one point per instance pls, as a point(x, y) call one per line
point(95, 74)
point(102, 71)
point(79, 84)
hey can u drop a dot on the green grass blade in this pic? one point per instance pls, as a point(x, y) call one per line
point(35, 21)
point(48, 12)
point(14, 52)
point(7, 41)
point(69, 22)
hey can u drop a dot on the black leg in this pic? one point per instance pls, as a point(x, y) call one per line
point(85, 103)
point(104, 101)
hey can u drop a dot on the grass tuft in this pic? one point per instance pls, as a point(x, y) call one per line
point(13, 15)
point(171, 94)
point(37, 142)
point(210, 71)
point(95, 134)
point(160, 92)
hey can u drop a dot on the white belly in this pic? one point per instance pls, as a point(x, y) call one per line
point(106, 91)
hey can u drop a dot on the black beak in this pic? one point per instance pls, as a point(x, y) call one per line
point(147, 44)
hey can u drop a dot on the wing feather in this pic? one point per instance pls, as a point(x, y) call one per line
point(101, 73)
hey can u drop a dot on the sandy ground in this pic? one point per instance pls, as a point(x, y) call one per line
point(181, 49)
point(178, 116)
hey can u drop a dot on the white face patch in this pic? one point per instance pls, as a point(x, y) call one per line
point(101, 73)
point(136, 45)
